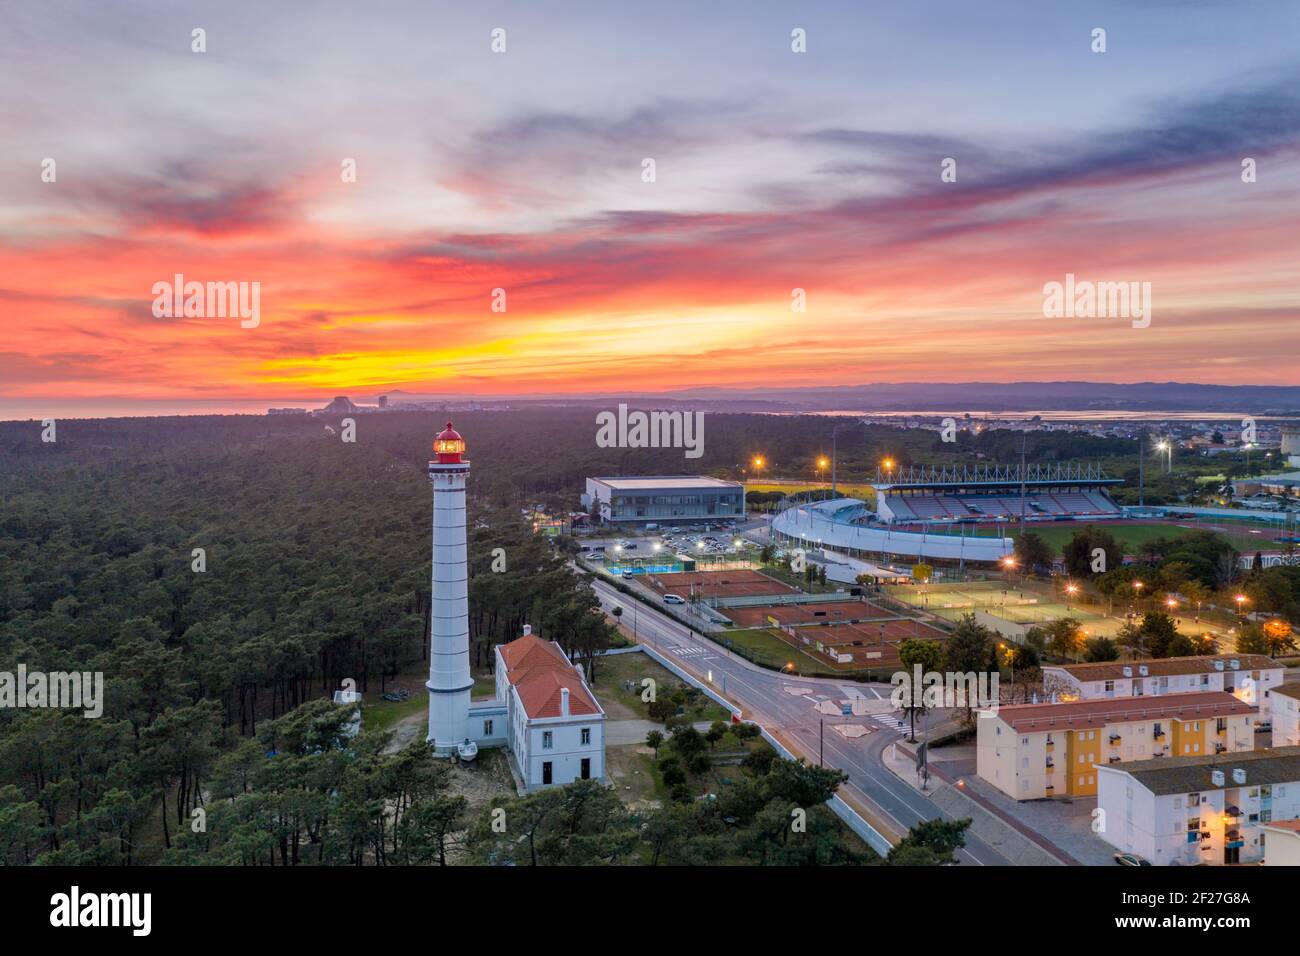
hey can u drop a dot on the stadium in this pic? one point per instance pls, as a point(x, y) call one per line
point(949, 514)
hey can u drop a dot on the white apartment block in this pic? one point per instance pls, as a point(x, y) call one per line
point(1199, 810)
point(1286, 715)
point(1283, 847)
point(1249, 677)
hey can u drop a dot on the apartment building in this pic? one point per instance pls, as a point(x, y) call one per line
point(1032, 751)
point(1250, 677)
point(1211, 809)
point(1286, 715)
point(1283, 842)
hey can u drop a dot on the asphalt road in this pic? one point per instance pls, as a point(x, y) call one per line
point(787, 706)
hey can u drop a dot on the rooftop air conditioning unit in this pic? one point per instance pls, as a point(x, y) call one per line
point(1142, 669)
point(1216, 777)
point(1128, 672)
point(1238, 776)
point(1218, 665)
point(1235, 664)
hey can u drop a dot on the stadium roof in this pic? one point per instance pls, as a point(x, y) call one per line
point(996, 476)
point(668, 481)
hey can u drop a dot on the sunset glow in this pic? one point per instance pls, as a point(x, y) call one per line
point(478, 172)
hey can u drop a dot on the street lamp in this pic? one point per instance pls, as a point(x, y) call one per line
point(835, 449)
point(820, 466)
point(1168, 448)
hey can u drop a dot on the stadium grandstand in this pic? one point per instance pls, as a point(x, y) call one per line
point(995, 493)
point(948, 514)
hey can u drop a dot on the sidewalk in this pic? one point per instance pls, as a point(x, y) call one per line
point(1017, 842)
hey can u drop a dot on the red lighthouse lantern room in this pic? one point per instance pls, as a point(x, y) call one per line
point(449, 446)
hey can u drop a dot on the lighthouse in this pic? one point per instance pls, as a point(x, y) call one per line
point(449, 678)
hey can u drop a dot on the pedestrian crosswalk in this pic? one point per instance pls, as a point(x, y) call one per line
point(682, 650)
point(895, 723)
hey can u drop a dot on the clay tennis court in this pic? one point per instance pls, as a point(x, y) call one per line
point(860, 642)
point(894, 632)
point(741, 582)
point(805, 613)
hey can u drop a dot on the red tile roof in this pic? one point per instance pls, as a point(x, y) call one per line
point(1292, 825)
point(539, 672)
point(1091, 714)
point(529, 651)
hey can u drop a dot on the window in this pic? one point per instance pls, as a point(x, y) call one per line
point(548, 738)
point(1024, 741)
point(1110, 686)
point(586, 738)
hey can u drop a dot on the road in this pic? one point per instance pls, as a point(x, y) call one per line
point(787, 707)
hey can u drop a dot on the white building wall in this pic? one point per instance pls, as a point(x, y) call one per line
point(567, 751)
point(1286, 721)
point(1282, 848)
point(1156, 827)
point(1242, 683)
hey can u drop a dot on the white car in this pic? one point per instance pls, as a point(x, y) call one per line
point(674, 599)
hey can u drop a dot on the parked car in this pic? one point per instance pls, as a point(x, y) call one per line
point(1130, 859)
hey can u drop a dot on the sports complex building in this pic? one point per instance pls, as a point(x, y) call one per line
point(678, 499)
point(949, 514)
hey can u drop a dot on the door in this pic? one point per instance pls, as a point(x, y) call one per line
point(586, 768)
point(546, 772)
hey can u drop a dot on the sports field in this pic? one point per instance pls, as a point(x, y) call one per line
point(1019, 604)
point(813, 613)
point(1133, 536)
point(740, 582)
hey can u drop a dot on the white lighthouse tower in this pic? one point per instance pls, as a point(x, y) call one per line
point(449, 678)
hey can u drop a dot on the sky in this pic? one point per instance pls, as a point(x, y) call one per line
point(524, 171)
